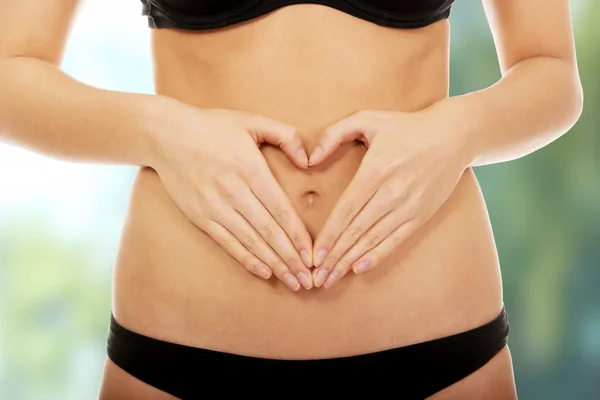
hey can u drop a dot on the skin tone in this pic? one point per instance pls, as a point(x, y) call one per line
point(236, 199)
point(233, 197)
point(539, 91)
point(402, 181)
point(405, 177)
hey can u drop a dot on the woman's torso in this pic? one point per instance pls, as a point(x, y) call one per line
point(307, 65)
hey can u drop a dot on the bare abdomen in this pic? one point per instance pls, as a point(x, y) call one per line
point(174, 283)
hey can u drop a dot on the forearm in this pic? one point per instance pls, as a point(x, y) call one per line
point(535, 102)
point(45, 110)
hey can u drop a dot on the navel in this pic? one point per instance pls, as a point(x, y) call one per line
point(309, 198)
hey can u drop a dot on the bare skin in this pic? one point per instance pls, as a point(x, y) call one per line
point(173, 282)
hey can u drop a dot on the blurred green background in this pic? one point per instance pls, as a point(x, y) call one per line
point(60, 225)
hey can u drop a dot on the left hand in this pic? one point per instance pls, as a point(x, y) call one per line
point(414, 161)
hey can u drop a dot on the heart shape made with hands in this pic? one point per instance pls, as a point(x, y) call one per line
point(393, 192)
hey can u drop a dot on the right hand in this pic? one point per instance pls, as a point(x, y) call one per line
point(213, 169)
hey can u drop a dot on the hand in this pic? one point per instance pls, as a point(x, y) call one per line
point(210, 164)
point(409, 171)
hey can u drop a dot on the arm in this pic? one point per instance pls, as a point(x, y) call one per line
point(233, 197)
point(415, 159)
point(538, 98)
point(47, 111)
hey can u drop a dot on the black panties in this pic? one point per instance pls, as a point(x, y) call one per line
point(411, 372)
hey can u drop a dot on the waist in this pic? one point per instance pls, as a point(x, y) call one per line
point(174, 283)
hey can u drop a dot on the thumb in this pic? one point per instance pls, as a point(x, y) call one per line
point(343, 131)
point(282, 135)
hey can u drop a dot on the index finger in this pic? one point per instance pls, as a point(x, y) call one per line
point(271, 195)
point(357, 194)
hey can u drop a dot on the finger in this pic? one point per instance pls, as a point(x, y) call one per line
point(335, 135)
point(360, 190)
point(273, 198)
point(253, 242)
point(371, 238)
point(280, 134)
point(258, 216)
point(371, 215)
point(380, 252)
point(235, 249)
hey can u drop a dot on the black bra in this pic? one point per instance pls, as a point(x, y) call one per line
point(212, 14)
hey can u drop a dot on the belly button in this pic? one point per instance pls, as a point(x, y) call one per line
point(310, 197)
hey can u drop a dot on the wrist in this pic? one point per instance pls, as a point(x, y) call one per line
point(460, 127)
point(156, 112)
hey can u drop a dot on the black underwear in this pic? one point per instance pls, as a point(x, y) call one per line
point(214, 14)
point(410, 372)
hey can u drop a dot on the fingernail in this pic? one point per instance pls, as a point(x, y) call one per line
point(305, 280)
point(316, 155)
point(333, 277)
point(306, 258)
point(319, 257)
point(290, 281)
point(262, 271)
point(362, 266)
point(320, 277)
point(302, 157)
